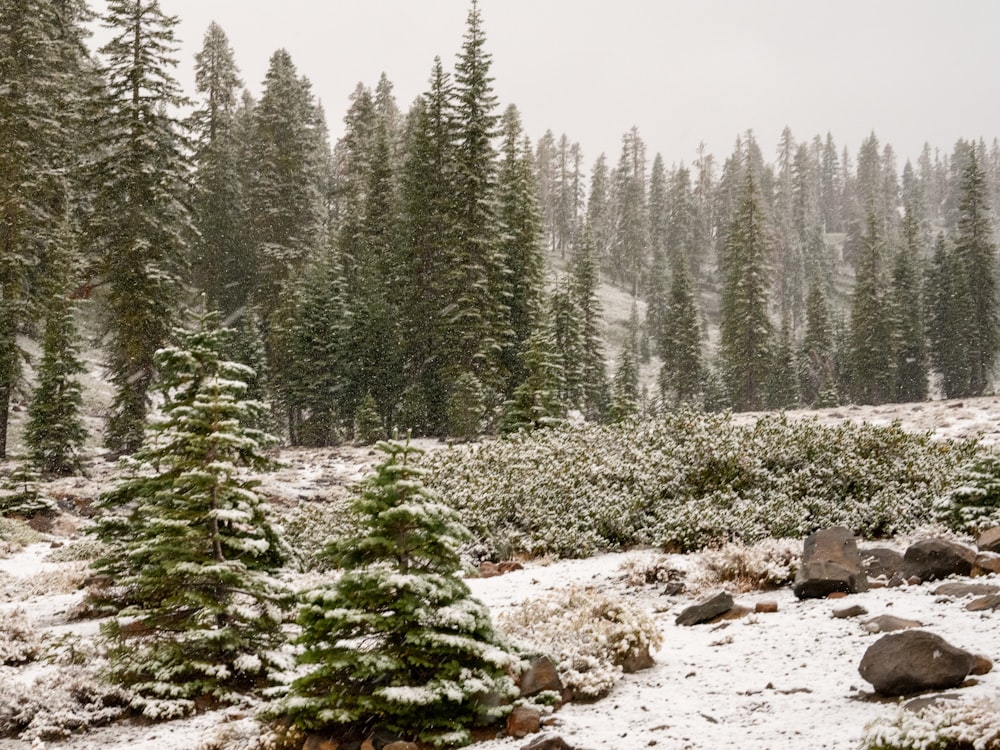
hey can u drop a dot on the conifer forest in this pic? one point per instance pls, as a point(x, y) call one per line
point(436, 269)
point(253, 282)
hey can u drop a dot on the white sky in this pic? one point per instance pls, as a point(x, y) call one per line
point(683, 71)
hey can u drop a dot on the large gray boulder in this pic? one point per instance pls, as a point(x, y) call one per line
point(915, 661)
point(830, 562)
point(932, 559)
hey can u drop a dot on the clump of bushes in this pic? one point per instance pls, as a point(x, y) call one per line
point(944, 726)
point(589, 635)
point(693, 480)
point(20, 642)
point(767, 564)
point(973, 505)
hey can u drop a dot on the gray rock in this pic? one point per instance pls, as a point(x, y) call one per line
point(881, 562)
point(914, 661)
point(989, 540)
point(830, 563)
point(705, 610)
point(539, 677)
point(889, 623)
point(548, 743)
point(932, 559)
point(855, 610)
point(958, 589)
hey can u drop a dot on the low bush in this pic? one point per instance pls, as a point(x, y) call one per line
point(589, 635)
point(57, 705)
point(20, 641)
point(974, 504)
point(763, 565)
point(944, 726)
point(692, 480)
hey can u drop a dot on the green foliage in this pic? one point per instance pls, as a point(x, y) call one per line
point(947, 725)
point(368, 426)
point(974, 504)
point(466, 408)
point(397, 642)
point(691, 480)
point(189, 544)
point(20, 496)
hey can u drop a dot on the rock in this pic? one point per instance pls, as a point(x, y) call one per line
point(984, 603)
point(509, 566)
point(548, 743)
point(637, 660)
point(958, 589)
point(881, 562)
point(830, 562)
point(989, 540)
point(889, 623)
point(400, 745)
point(837, 595)
point(705, 610)
point(914, 661)
point(896, 581)
point(673, 588)
point(855, 610)
point(767, 606)
point(524, 720)
point(986, 563)
point(735, 612)
point(488, 569)
point(931, 559)
point(983, 665)
point(539, 677)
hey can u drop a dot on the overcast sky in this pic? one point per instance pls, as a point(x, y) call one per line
point(682, 71)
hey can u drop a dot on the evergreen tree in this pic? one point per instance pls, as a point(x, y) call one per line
point(430, 657)
point(976, 254)
point(535, 402)
point(520, 243)
point(656, 285)
point(870, 363)
point(817, 371)
point(592, 365)
point(221, 255)
point(190, 544)
point(54, 433)
point(746, 332)
point(477, 276)
point(948, 313)
point(629, 247)
point(783, 389)
point(909, 344)
point(141, 226)
point(45, 73)
point(682, 372)
point(565, 321)
point(625, 385)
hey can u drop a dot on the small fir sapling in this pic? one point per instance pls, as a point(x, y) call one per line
point(188, 542)
point(398, 643)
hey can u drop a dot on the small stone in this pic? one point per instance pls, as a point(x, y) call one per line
point(889, 623)
point(855, 610)
point(705, 610)
point(914, 581)
point(548, 743)
point(766, 606)
point(983, 665)
point(958, 589)
point(400, 745)
point(488, 569)
point(524, 720)
point(836, 595)
point(984, 603)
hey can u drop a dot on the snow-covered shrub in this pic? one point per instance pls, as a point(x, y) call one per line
point(58, 704)
point(240, 734)
point(643, 572)
point(310, 525)
point(973, 505)
point(84, 549)
point(943, 726)
point(692, 480)
point(590, 635)
point(16, 535)
point(20, 641)
point(765, 564)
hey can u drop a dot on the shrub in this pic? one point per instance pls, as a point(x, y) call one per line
point(974, 505)
point(56, 705)
point(944, 726)
point(588, 634)
point(16, 535)
point(20, 641)
point(690, 481)
point(766, 564)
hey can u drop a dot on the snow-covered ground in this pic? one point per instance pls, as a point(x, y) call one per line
point(781, 680)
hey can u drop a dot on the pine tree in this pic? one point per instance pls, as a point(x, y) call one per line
point(54, 433)
point(909, 338)
point(976, 253)
point(625, 384)
point(817, 371)
point(870, 363)
point(948, 313)
point(190, 544)
point(477, 276)
point(141, 226)
point(565, 323)
point(520, 244)
point(535, 402)
point(430, 655)
point(592, 366)
point(746, 332)
point(656, 285)
point(783, 389)
point(221, 256)
point(45, 70)
point(629, 248)
point(683, 368)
